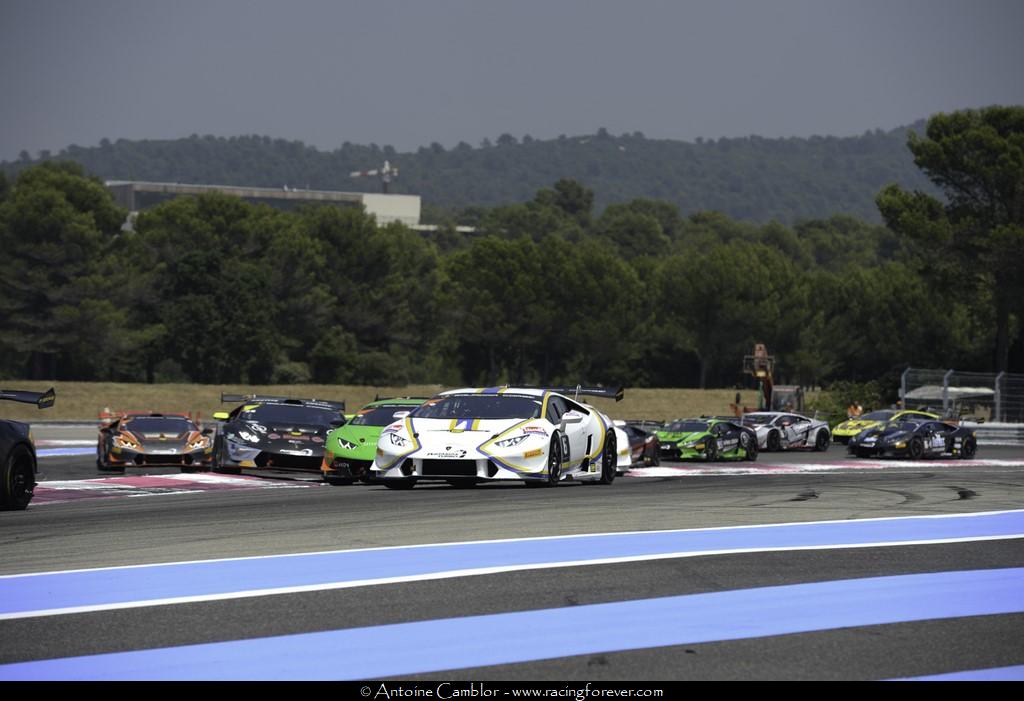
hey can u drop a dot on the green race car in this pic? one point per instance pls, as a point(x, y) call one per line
point(350, 449)
point(707, 439)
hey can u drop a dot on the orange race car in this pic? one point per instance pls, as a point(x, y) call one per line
point(137, 439)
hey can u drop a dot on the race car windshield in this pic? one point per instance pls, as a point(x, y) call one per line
point(159, 425)
point(479, 406)
point(290, 413)
point(379, 415)
point(903, 425)
point(687, 426)
point(883, 415)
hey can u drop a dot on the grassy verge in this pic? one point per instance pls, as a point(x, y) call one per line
point(84, 400)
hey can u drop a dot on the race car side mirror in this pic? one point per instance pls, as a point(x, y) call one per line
point(338, 422)
point(399, 415)
point(221, 415)
point(572, 417)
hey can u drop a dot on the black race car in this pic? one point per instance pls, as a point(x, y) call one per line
point(276, 433)
point(17, 453)
point(644, 446)
point(915, 439)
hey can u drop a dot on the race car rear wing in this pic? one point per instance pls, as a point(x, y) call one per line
point(379, 398)
point(112, 415)
point(579, 390)
point(43, 400)
point(269, 399)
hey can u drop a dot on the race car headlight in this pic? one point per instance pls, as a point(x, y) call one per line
point(689, 444)
point(198, 443)
point(345, 445)
point(510, 442)
point(398, 440)
point(241, 451)
point(123, 442)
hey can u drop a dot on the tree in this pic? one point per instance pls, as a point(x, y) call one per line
point(56, 227)
point(976, 157)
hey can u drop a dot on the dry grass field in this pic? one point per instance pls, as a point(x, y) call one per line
point(84, 400)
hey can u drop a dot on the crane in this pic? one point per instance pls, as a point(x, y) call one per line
point(772, 397)
point(386, 174)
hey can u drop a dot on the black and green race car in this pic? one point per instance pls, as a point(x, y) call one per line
point(707, 439)
point(350, 449)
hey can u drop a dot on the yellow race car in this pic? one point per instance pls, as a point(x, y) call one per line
point(843, 432)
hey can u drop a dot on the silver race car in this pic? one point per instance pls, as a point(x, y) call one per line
point(778, 430)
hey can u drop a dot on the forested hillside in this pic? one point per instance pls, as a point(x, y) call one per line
point(750, 179)
point(216, 290)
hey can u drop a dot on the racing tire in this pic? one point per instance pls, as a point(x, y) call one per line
point(219, 467)
point(750, 449)
point(554, 462)
point(609, 461)
point(654, 459)
point(711, 451)
point(821, 441)
point(969, 450)
point(399, 483)
point(916, 448)
point(774, 442)
point(107, 467)
point(17, 479)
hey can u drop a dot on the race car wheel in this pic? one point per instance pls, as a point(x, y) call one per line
point(554, 462)
point(774, 442)
point(103, 466)
point(749, 444)
point(219, 467)
point(916, 448)
point(969, 450)
point(17, 479)
point(821, 441)
point(399, 484)
point(654, 458)
point(608, 461)
point(711, 451)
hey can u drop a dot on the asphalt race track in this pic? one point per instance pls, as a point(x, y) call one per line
point(800, 566)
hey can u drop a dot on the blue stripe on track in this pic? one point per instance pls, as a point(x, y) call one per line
point(996, 674)
point(1015, 673)
point(475, 641)
point(22, 595)
point(61, 452)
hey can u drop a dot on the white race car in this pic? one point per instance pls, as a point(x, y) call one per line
point(465, 436)
point(778, 430)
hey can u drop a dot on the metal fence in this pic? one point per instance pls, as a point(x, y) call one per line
point(989, 397)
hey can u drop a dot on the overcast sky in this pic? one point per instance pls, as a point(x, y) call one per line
point(410, 73)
